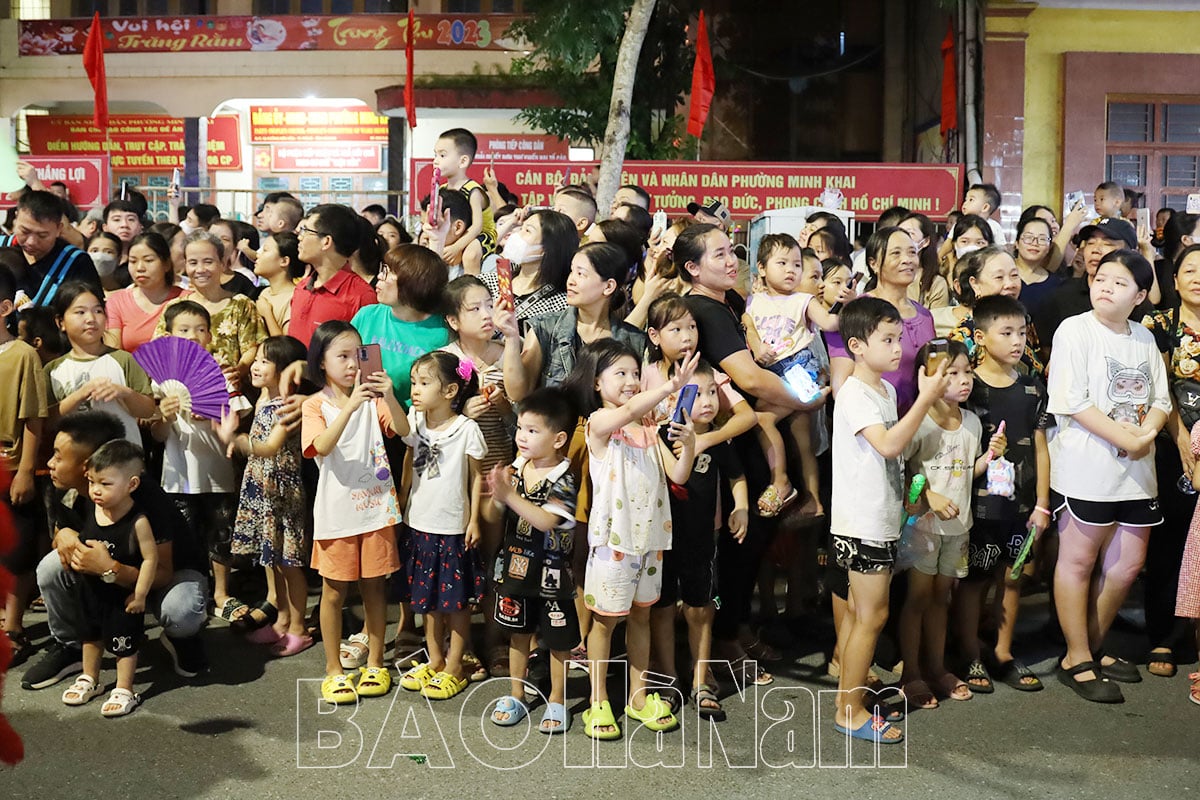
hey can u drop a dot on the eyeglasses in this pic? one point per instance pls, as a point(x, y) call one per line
point(303, 229)
point(1035, 239)
point(385, 274)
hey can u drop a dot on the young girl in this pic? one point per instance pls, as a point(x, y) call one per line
point(271, 511)
point(355, 510)
point(470, 317)
point(278, 264)
point(835, 276)
point(629, 525)
point(946, 451)
point(779, 321)
point(1108, 391)
point(441, 466)
point(92, 374)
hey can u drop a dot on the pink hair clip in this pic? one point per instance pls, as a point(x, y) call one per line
point(466, 368)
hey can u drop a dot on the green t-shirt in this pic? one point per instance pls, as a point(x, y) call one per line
point(400, 343)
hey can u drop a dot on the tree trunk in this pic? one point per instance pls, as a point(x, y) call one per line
point(616, 135)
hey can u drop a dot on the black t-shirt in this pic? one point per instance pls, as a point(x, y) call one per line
point(73, 510)
point(1022, 407)
point(720, 326)
point(240, 284)
point(533, 563)
point(67, 263)
point(694, 505)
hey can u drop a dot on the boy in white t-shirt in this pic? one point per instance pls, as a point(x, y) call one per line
point(867, 507)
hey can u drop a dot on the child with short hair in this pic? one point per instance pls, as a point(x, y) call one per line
point(868, 495)
point(781, 322)
point(1003, 393)
point(37, 328)
point(453, 154)
point(946, 450)
point(1107, 201)
point(115, 619)
point(535, 591)
point(455, 227)
point(983, 199)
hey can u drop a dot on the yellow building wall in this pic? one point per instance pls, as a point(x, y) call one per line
point(1054, 31)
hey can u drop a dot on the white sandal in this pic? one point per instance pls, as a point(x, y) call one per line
point(81, 691)
point(124, 700)
point(353, 652)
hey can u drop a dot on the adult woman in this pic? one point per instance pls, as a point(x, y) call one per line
point(405, 323)
point(1177, 332)
point(969, 234)
point(1036, 254)
point(540, 252)
point(657, 274)
point(930, 289)
point(133, 312)
point(392, 231)
point(231, 277)
point(892, 262)
point(1180, 232)
point(983, 273)
point(174, 236)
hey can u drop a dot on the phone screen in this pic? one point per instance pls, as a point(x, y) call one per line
point(504, 283)
point(939, 351)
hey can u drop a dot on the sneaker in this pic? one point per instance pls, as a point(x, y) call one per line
point(59, 662)
point(187, 654)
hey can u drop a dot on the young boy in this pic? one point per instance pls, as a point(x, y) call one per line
point(114, 618)
point(453, 154)
point(983, 199)
point(458, 208)
point(868, 495)
point(535, 593)
point(38, 329)
point(22, 416)
point(1107, 201)
point(690, 566)
point(1003, 393)
point(197, 473)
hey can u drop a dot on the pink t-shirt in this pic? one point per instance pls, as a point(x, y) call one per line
point(137, 326)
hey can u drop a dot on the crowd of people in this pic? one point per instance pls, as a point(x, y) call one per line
point(563, 424)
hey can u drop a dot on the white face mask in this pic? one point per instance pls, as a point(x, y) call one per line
point(106, 263)
point(961, 250)
point(186, 227)
point(519, 251)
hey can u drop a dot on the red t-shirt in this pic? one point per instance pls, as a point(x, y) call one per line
point(340, 297)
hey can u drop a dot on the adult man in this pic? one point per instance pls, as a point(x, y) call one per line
point(37, 230)
point(123, 219)
point(179, 597)
point(712, 212)
point(328, 237)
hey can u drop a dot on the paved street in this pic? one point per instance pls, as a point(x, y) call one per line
point(244, 729)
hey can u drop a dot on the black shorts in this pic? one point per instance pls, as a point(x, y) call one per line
point(106, 620)
point(554, 621)
point(689, 572)
point(864, 555)
point(1134, 513)
point(993, 543)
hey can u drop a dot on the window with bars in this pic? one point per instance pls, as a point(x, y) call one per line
point(31, 9)
point(1153, 146)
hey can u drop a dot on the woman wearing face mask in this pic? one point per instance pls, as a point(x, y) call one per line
point(929, 289)
point(969, 234)
point(540, 252)
point(105, 250)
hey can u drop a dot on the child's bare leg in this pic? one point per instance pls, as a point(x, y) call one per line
point(599, 645)
point(273, 587)
point(1010, 606)
point(579, 567)
point(558, 679)
point(1079, 549)
point(801, 428)
point(92, 653)
point(126, 669)
point(296, 600)
point(839, 630)
point(374, 600)
point(699, 624)
point(520, 645)
point(637, 643)
point(662, 639)
point(968, 599)
point(460, 632)
point(435, 634)
point(912, 614)
point(333, 598)
point(869, 611)
point(407, 622)
point(772, 444)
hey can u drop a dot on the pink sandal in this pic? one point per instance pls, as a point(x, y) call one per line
point(290, 644)
point(264, 635)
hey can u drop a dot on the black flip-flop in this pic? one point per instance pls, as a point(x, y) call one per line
point(1012, 671)
point(1120, 670)
point(1098, 690)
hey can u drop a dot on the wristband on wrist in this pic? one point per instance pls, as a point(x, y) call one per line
point(1045, 511)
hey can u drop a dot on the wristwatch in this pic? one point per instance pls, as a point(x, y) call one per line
point(110, 576)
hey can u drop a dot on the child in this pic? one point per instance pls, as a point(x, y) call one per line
point(197, 473)
point(1003, 393)
point(629, 524)
point(1107, 201)
point(835, 276)
point(114, 618)
point(270, 522)
point(946, 450)
point(983, 199)
point(777, 322)
point(441, 466)
point(278, 264)
point(38, 329)
point(868, 495)
point(535, 497)
point(92, 374)
point(22, 417)
point(355, 508)
point(1108, 391)
point(690, 567)
point(453, 154)
point(455, 227)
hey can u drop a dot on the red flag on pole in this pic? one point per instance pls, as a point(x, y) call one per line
point(704, 82)
point(93, 62)
point(410, 107)
point(949, 82)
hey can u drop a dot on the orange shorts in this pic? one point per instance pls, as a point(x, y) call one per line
point(366, 555)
